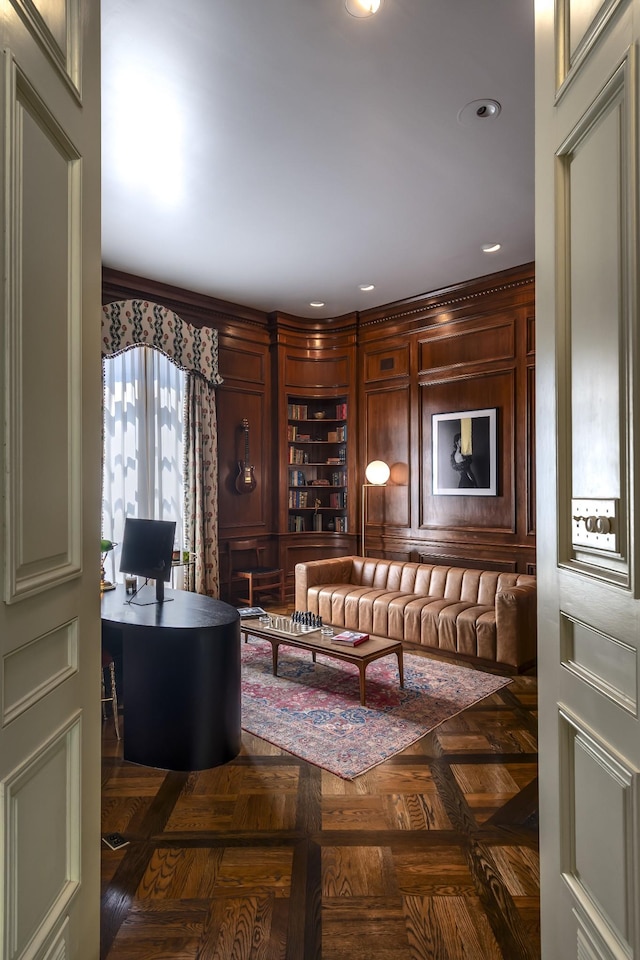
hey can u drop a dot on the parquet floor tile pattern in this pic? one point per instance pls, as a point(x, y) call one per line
point(432, 855)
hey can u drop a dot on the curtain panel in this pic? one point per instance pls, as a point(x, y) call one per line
point(131, 323)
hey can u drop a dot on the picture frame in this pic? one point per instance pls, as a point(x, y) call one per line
point(464, 453)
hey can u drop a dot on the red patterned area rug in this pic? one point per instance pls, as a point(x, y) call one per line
point(313, 710)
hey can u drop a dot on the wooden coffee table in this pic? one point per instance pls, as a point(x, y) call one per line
point(284, 635)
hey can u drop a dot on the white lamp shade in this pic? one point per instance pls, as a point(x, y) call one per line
point(377, 472)
point(362, 8)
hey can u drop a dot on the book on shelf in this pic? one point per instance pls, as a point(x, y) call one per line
point(297, 478)
point(297, 411)
point(249, 613)
point(350, 638)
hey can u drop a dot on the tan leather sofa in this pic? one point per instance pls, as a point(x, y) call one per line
point(479, 614)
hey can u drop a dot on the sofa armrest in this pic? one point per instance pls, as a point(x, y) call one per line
point(315, 572)
point(516, 624)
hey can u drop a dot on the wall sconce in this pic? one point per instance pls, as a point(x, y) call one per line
point(376, 475)
point(362, 8)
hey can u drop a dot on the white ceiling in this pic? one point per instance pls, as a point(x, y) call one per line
point(274, 152)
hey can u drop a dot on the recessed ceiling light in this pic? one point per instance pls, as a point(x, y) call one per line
point(479, 110)
point(362, 8)
point(491, 247)
point(316, 303)
point(366, 287)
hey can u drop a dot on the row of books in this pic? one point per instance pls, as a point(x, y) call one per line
point(297, 478)
point(299, 524)
point(300, 411)
point(300, 500)
point(302, 456)
point(297, 411)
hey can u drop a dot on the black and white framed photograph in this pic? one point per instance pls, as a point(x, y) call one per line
point(465, 453)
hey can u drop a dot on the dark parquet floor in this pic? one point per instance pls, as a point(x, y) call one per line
point(432, 855)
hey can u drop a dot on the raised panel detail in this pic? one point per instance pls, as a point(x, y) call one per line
point(36, 668)
point(603, 662)
point(242, 365)
point(310, 372)
point(54, 24)
point(590, 945)
point(388, 439)
point(468, 347)
point(579, 25)
point(600, 866)
point(486, 513)
point(594, 199)
point(41, 839)
point(384, 364)
point(43, 544)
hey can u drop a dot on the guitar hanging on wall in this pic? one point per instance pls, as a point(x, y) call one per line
point(246, 479)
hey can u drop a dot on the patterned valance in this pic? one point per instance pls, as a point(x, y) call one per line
point(135, 323)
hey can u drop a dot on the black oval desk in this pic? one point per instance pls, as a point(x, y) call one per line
point(181, 669)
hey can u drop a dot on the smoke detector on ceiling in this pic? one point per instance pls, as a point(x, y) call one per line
point(479, 110)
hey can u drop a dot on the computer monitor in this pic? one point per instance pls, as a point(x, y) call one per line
point(147, 547)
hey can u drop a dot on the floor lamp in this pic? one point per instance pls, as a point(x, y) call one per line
point(376, 475)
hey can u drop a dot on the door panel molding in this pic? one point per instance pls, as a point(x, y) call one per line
point(576, 41)
point(55, 27)
point(600, 867)
point(604, 663)
point(35, 140)
point(36, 832)
point(595, 296)
point(36, 668)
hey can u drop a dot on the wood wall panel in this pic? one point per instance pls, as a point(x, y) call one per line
point(387, 363)
point(465, 511)
point(469, 347)
point(242, 364)
point(444, 349)
point(317, 372)
point(387, 431)
point(237, 512)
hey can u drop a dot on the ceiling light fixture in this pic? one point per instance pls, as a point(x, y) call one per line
point(479, 110)
point(365, 287)
point(491, 247)
point(317, 303)
point(362, 8)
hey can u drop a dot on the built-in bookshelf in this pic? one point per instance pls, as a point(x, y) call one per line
point(317, 438)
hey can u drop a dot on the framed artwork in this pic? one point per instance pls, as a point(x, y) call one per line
point(464, 455)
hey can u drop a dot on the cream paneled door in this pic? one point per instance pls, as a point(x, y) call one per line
point(588, 488)
point(49, 480)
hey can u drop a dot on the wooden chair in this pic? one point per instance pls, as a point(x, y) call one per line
point(259, 578)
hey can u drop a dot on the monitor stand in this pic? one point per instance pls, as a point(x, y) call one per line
point(160, 597)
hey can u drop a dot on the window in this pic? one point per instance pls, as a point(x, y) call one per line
point(143, 471)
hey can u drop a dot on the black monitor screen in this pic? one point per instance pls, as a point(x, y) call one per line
point(147, 546)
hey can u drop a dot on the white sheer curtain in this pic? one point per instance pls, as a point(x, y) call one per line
point(143, 472)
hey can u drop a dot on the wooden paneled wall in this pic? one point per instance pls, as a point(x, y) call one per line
point(467, 347)
point(463, 349)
